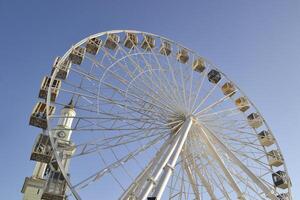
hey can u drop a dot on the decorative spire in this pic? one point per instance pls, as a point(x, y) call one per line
point(70, 105)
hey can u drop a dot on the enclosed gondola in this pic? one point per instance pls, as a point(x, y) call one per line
point(42, 150)
point(182, 56)
point(131, 40)
point(56, 84)
point(266, 138)
point(165, 48)
point(199, 65)
point(242, 103)
point(112, 41)
point(254, 120)
point(214, 76)
point(38, 116)
point(55, 187)
point(148, 42)
point(275, 158)
point(77, 55)
point(93, 45)
point(63, 68)
point(281, 179)
point(228, 89)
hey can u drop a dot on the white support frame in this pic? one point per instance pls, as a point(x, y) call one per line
point(208, 134)
point(206, 184)
point(220, 161)
point(141, 179)
point(176, 139)
point(191, 177)
point(167, 164)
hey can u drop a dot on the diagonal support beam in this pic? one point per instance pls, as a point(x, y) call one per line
point(132, 191)
point(220, 161)
point(169, 167)
point(206, 184)
point(191, 177)
point(253, 177)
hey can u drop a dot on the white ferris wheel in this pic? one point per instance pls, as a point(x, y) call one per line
point(132, 116)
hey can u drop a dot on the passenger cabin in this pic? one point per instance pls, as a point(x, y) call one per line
point(42, 150)
point(131, 40)
point(55, 188)
point(199, 65)
point(266, 138)
point(93, 45)
point(275, 158)
point(254, 120)
point(56, 84)
point(77, 54)
point(63, 68)
point(165, 49)
point(283, 196)
point(148, 43)
point(228, 89)
point(182, 56)
point(38, 117)
point(242, 103)
point(281, 179)
point(214, 76)
point(112, 41)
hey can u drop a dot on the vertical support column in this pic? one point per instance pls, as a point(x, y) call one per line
point(169, 167)
point(140, 180)
point(151, 181)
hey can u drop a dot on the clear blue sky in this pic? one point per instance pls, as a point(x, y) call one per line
point(257, 43)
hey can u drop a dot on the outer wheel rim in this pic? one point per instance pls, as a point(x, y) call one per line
point(119, 31)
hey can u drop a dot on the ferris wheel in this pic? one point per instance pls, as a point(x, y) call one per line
point(132, 116)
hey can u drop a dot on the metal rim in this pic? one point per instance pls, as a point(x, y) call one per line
point(137, 32)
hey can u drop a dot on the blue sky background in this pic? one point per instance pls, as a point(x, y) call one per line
point(256, 43)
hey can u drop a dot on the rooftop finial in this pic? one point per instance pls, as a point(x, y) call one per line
point(70, 105)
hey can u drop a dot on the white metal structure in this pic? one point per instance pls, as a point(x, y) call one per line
point(155, 120)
